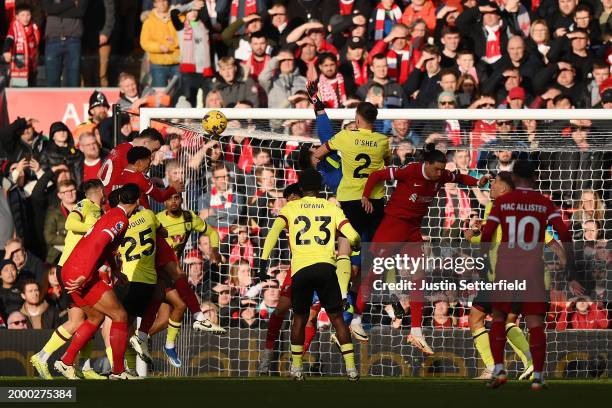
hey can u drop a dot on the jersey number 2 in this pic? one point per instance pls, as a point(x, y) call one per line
point(367, 161)
point(145, 239)
point(324, 220)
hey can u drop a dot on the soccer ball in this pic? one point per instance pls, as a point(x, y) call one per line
point(214, 122)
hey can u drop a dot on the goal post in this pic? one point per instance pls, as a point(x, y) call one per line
point(256, 157)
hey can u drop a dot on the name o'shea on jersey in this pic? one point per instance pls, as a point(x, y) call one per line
point(80, 220)
point(312, 224)
point(363, 152)
point(138, 247)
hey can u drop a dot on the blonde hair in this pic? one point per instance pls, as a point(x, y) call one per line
point(545, 24)
point(234, 271)
point(227, 61)
point(598, 211)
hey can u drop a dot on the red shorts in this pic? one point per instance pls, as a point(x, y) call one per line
point(285, 289)
point(398, 230)
point(524, 308)
point(90, 293)
point(164, 254)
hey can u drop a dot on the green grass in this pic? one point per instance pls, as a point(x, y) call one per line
point(323, 392)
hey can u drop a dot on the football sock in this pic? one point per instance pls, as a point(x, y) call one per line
point(274, 326)
point(296, 355)
point(481, 341)
point(309, 335)
point(497, 339)
point(172, 333)
point(118, 341)
point(416, 305)
point(537, 345)
point(149, 316)
point(343, 271)
point(359, 301)
point(142, 335)
point(109, 355)
point(188, 295)
point(356, 319)
point(59, 337)
point(348, 353)
point(416, 331)
point(519, 343)
point(83, 334)
point(85, 352)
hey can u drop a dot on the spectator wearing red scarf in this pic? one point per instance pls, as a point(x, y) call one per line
point(331, 82)
point(396, 48)
point(21, 48)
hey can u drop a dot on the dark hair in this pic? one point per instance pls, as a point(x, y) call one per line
point(245, 102)
point(258, 34)
point(432, 155)
point(583, 7)
point(524, 169)
point(448, 30)
point(91, 184)
point(432, 49)
point(27, 282)
point(151, 134)
point(304, 157)
point(561, 97)
point(129, 194)
point(310, 180)
point(449, 71)
point(506, 177)
point(325, 56)
point(292, 189)
point(379, 57)
point(21, 6)
point(599, 64)
point(113, 198)
point(138, 153)
point(367, 111)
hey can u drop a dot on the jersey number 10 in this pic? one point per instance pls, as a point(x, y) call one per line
point(516, 233)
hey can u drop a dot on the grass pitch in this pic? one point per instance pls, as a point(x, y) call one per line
point(320, 392)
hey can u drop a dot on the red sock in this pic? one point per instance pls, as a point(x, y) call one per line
point(81, 337)
point(537, 346)
point(188, 295)
point(309, 336)
point(359, 302)
point(416, 305)
point(274, 326)
point(497, 340)
point(149, 316)
point(118, 342)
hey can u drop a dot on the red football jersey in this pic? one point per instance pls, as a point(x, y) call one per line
point(97, 246)
point(523, 215)
point(115, 163)
point(145, 185)
point(414, 191)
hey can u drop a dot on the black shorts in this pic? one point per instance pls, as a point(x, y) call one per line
point(135, 297)
point(65, 298)
point(484, 303)
point(320, 277)
point(365, 224)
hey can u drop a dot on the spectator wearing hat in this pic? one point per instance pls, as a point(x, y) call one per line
point(20, 48)
point(55, 220)
point(281, 79)
point(10, 298)
point(38, 312)
point(193, 27)
point(354, 65)
point(385, 16)
point(483, 26)
point(396, 48)
point(425, 78)
point(573, 48)
point(516, 98)
point(316, 32)
point(394, 96)
point(98, 111)
point(159, 39)
point(420, 9)
point(60, 149)
point(20, 140)
point(238, 44)
point(232, 88)
point(63, 32)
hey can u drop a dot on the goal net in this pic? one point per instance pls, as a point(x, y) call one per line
point(235, 183)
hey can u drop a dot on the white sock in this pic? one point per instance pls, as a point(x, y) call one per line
point(498, 368)
point(199, 316)
point(86, 365)
point(537, 375)
point(356, 319)
point(528, 355)
point(490, 368)
point(416, 331)
point(169, 345)
point(44, 356)
point(143, 336)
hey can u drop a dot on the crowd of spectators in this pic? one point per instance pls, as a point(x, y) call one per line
point(511, 54)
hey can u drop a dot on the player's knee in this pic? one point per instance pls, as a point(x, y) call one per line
point(476, 319)
point(119, 315)
point(179, 306)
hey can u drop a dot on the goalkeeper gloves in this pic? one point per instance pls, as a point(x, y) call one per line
point(263, 270)
point(313, 88)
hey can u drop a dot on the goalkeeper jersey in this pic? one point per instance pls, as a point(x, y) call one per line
point(82, 217)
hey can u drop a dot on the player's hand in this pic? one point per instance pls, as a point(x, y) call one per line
point(7, 57)
point(313, 89)
point(73, 285)
point(575, 288)
point(484, 180)
point(367, 205)
point(215, 256)
point(179, 186)
point(263, 270)
point(469, 234)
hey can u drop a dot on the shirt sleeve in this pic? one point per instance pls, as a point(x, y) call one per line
point(277, 227)
point(335, 143)
point(75, 223)
point(377, 177)
point(345, 228)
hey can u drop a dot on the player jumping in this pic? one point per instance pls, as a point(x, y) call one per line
point(417, 185)
point(523, 215)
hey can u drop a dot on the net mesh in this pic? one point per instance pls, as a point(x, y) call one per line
point(259, 158)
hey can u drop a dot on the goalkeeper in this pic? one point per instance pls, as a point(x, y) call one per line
point(481, 305)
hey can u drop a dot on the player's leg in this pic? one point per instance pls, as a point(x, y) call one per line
point(302, 291)
point(174, 321)
point(480, 335)
point(497, 339)
point(60, 336)
point(274, 326)
point(519, 344)
point(81, 337)
point(311, 325)
point(537, 341)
